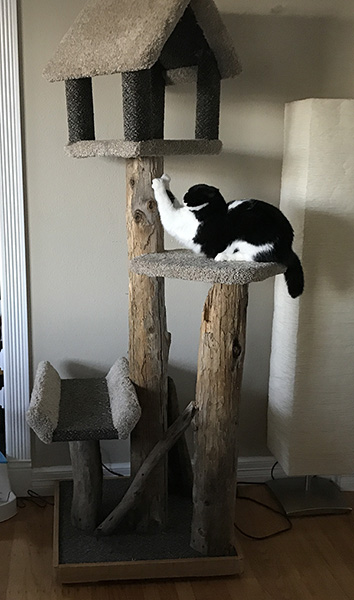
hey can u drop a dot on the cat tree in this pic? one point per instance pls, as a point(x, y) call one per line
point(171, 42)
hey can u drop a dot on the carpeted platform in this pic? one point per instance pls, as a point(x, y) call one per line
point(129, 149)
point(85, 412)
point(80, 557)
point(78, 547)
point(184, 264)
point(83, 409)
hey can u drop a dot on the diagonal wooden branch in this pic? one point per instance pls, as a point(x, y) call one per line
point(138, 484)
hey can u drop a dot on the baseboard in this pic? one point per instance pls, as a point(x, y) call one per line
point(253, 468)
point(257, 468)
point(44, 478)
point(20, 476)
point(346, 483)
point(250, 469)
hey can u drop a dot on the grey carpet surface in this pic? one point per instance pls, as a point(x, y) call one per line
point(77, 547)
point(129, 149)
point(184, 264)
point(85, 412)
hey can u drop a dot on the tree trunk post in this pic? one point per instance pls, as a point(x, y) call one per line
point(220, 364)
point(87, 484)
point(148, 337)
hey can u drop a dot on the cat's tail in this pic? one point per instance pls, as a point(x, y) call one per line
point(294, 276)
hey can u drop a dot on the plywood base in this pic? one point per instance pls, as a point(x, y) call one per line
point(79, 557)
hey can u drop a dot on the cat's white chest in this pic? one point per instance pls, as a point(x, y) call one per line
point(184, 228)
point(179, 222)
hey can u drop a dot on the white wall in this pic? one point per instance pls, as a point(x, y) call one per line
point(76, 208)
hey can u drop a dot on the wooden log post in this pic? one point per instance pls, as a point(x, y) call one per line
point(148, 337)
point(87, 484)
point(220, 363)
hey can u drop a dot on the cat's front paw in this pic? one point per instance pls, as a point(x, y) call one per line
point(158, 184)
point(161, 182)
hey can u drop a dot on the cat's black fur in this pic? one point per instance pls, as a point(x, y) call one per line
point(252, 221)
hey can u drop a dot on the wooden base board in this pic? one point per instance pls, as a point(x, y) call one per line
point(139, 569)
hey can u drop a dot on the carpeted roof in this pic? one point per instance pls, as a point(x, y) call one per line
point(112, 36)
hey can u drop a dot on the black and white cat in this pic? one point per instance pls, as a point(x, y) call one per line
point(243, 230)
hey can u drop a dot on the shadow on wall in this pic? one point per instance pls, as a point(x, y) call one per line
point(253, 411)
point(185, 382)
point(237, 175)
point(81, 370)
point(49, 455)
point(252, 176)
point(283, 57)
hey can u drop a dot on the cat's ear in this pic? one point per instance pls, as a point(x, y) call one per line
point(209, 192)
point(214, 194)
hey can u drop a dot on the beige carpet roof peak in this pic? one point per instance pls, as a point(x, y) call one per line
point(112, 36)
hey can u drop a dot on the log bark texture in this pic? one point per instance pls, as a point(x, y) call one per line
point(135, 490)
point(87, 484)
point(148, 337)
point(220, 364)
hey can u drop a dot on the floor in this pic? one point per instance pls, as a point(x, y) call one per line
point(312, 561)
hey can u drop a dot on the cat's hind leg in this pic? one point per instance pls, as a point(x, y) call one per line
point(244, 251)
point(232, 252)
point(230, 256)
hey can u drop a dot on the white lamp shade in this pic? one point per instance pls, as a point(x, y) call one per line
point(311, 387)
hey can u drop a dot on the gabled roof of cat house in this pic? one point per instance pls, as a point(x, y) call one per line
point(113, 36)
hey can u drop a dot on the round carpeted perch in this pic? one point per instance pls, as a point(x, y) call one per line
point(185, 264)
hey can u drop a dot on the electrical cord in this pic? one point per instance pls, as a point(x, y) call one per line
point(37, 499)
point(42, 502)
point(272, 470)
point(247, 498)
point(110, 471)
point(264, 505)
point(270, 508)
